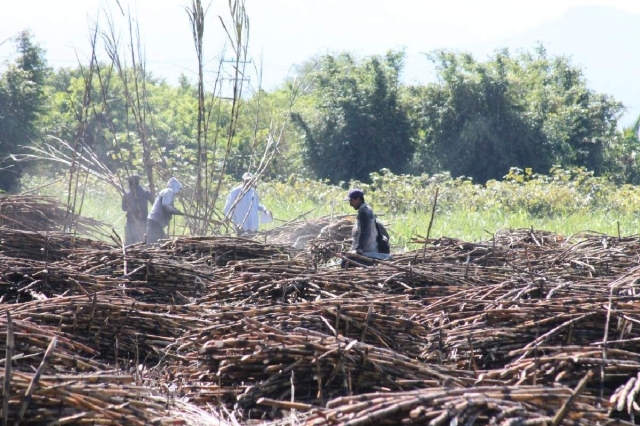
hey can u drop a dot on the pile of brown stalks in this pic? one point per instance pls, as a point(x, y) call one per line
point(44, 214)
point(526, 328)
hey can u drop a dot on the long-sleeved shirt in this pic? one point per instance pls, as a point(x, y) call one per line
point(245, 214)
point(135, 203)
point(364, 232)
point(163, 209)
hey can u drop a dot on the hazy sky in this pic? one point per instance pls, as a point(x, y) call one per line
point(285, 32)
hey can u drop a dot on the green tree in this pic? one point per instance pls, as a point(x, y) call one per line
point(21, 103)
point(622, 155)
point(359, 125)
point(111, 131)
point(531, 110)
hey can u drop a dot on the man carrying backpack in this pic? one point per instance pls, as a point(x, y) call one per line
point(366, 240)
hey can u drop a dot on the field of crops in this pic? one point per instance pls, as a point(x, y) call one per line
point(526, 327)
point(565, 201)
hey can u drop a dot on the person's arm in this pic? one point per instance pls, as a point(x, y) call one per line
point(167, 204)
point(261, 207)
point(125, 204)
point(148, 196)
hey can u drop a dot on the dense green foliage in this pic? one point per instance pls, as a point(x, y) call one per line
point(358, 125)
point(22, 92)
point(565, 201)
point(352, 117)
point(111, 129)
point(525, 111)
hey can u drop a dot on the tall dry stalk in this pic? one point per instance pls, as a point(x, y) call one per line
point(197, 19)
point(82, 117)
point(134, 85)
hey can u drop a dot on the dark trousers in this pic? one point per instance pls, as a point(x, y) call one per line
point(134, 231)
point(154, 232)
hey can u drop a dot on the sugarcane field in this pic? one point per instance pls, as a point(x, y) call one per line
point(319, 213)
point(529, 327)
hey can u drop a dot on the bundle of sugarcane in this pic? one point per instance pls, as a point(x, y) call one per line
point(581, 255)
point(280, 283)
point(114, 327)
point(553, 366)
point(525, 237)
point(497, 251)
point(599, 255)
point(334, 238)
point(511, 250)
point(264, 360)
point(99, 398)
point(527, 405)
point(280, 268)
point(262, 288)
point(625, 401)
point(493, 337)
point(449, 250)
point(24, 280)
point(380, 321)
point(218, 250)
point(28, 340)
point(167, 278)
point(299, 233)
point(39, 213)
point(45, 246)
point(521, 288)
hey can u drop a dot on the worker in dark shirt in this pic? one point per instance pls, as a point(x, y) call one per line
point(134, 202)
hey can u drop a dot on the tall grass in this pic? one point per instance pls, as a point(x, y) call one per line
point(464, 211)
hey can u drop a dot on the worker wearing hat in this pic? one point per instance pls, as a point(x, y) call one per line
point(364, 233)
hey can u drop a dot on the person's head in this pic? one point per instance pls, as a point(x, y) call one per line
point(175, 185)
point(247, 178)
point(355, 197)
point(134, 181)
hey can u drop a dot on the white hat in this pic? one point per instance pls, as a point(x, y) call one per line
point(247, 176)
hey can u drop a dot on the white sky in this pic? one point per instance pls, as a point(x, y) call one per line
point(286, 32)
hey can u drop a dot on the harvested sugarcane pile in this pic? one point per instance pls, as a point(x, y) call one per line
point(45, 246)
point(218, 251)
point(24, 280)
point(55, 379)
point(489, 337)
point(112, 328)
point(565, 366)
point(30, 339)
point(502, 330)
point(526, 405)
point(106, 399)
point(334, 238)
point(535, 253)
point(260, 282)
point(300, 234)
point(43, 214)
point(261, 361)
point(375, 320)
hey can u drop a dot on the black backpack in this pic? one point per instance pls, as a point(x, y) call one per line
point(382, 239)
